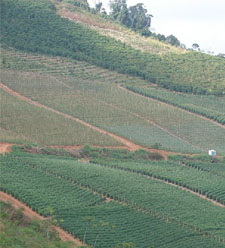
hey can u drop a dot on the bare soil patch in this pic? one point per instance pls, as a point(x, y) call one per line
point(5, 147)
point(31, 214)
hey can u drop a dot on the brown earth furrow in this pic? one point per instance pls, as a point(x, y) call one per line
point(31, 214)
point(131, 146)
point(172, 106)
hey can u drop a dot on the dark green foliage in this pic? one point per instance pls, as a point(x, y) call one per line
point(172, 40)
point(205, 178)
point(76, 191)
point(118, 154)
point(33, 26)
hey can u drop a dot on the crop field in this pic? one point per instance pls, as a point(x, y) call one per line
point(21, 122)
point(185, 72)
point(219, 169)
point(144, 121)
point(184, 174)
point(80, 193)
point(212, 107)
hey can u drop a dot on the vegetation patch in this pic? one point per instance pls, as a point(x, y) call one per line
point(22, 28)
point(134, 205)
point(19, 231)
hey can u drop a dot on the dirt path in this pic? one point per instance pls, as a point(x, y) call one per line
point(172, 106)
point(127, 143)
point(5, 147)
point(130, 145)
point(31, 214)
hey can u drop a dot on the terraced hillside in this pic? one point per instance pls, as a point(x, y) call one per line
point(77, 90)
point(81, 193)
point(188, 72)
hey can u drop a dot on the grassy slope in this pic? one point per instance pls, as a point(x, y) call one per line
point(185, 65)
point(21, 233)
point(191, 72)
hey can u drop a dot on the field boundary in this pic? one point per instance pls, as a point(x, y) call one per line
point(28, 212)
point(171, 105)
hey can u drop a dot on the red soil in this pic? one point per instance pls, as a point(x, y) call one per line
point(5, 147)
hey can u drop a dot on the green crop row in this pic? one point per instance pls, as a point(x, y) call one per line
point(192, 178)
point(209, 106)
point(217, 168)
point(85, 214)
point(144, 121)
point(22, 28)
point(136, 191)
point(21, 122)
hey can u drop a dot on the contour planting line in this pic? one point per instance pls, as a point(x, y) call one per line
point(164, 180)
point(171, 105)
point(182, 138)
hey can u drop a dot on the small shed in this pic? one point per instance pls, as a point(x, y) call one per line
point(212, 153)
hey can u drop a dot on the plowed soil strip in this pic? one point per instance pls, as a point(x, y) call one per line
point(31, 214)
point(172, 106)
point(130, 145)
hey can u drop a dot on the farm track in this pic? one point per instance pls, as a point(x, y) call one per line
point(136, 208)
point(175, 107)
point(128, 144)
point(29, 213)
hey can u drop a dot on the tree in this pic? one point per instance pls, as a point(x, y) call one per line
point(195, 46)
point(98, 7)
point(173, 40)
point(140, 19)
point(116, 7)
point(135, 17)
point(222, 55)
